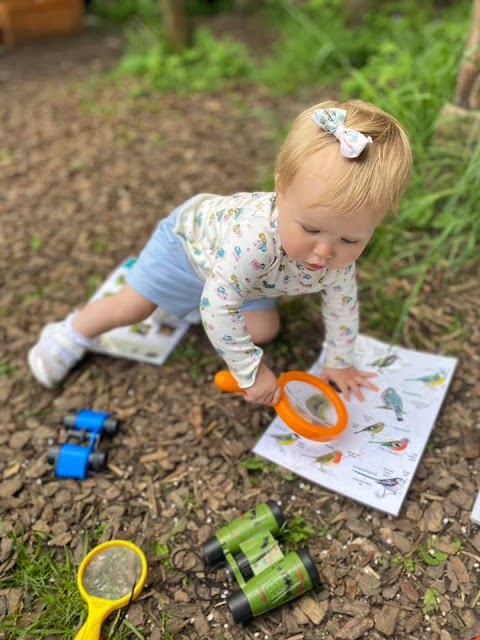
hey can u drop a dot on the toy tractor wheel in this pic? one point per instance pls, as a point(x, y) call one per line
point(52, 454)
point(70, 419)
point(97, 461)
point(110, 426)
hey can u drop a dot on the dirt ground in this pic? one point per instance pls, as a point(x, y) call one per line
point(86, 170)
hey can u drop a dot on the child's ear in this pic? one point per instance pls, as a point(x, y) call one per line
point(277, 183)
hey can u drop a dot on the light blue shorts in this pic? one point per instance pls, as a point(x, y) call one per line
point(163, 273)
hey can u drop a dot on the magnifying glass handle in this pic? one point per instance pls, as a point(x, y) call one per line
point(226, 382)
point(92, 628)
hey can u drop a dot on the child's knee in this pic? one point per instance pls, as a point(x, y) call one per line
point(263, 326)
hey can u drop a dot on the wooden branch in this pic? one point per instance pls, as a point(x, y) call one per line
point(470, 67)
point(177, 25)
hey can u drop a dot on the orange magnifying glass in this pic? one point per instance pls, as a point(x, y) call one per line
point(308, 405)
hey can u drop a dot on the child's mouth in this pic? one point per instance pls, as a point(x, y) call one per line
point(314, 267)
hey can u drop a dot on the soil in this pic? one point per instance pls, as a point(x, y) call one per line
point(87, 169)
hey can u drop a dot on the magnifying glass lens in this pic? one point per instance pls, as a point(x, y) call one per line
point(310, 403)
point(112, 573)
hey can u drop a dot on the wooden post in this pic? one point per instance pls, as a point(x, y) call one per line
point(245, 6)
point(177, 25)
point(468, 89)
point(355, 10)
point(6, 32)
point(458, 123)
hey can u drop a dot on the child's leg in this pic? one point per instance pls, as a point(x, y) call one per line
point(263, 325)
point(62, 344)
point(120, 310)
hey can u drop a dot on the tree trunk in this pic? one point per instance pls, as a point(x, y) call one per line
point(177, 25)
point(246, 5)
point(467, 79)
point(355, 10)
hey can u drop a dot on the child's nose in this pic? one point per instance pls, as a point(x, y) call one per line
point(324, 249)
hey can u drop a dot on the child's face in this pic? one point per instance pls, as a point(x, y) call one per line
point(312, 235)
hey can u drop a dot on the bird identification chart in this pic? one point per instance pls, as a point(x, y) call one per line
point(149, 341)
point(475, 516)
point(374, 460)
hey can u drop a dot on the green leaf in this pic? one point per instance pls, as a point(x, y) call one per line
point(432, 556)
point(431, 601)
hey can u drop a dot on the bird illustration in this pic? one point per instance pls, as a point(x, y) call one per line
point(393, 401)
point(327, 459)
point(376, 427)
point(285, 439)
point(384, 361)
point(320, 407)
point(394, 445)
point(432, 380)
point(389, 484)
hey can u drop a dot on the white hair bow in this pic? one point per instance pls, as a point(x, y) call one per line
point(352, 142)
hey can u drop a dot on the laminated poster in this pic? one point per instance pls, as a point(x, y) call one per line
point(149, 341)
point(476, 510)
point(374, 460)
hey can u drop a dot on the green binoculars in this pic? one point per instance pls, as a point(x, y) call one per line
point(267, 578)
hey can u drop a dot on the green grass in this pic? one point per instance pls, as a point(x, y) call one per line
point(7, 369)
point(50, 605)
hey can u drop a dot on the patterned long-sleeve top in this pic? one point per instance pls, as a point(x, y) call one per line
point(234, 246)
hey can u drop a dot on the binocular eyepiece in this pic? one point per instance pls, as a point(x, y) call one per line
point(267, 578)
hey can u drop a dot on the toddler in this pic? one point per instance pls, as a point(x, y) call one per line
point(341, 169)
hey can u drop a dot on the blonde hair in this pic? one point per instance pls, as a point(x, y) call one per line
point(377, 178)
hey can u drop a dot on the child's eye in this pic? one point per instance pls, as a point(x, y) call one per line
point(310, 230)
point(347, 241)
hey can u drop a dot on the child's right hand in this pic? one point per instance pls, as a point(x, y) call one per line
point(265, 389)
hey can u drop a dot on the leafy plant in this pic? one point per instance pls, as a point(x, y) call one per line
point(164, 553)
point(262, 466)
point(430, 555)
point(408, 564)
point(121, 11)
point(431, 601)
point(208, 65)
point(257, 464)
point(297, 531)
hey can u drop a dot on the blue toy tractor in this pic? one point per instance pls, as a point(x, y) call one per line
point(80, 452)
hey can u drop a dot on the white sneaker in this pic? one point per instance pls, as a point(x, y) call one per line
point(55, 353)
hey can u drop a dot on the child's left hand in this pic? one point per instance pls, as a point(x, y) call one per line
point(350, 380)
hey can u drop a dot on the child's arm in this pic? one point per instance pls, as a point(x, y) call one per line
point(340, 310)
point(238, 271)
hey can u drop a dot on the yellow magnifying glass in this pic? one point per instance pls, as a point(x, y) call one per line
point(309, 406)
point(109, 577)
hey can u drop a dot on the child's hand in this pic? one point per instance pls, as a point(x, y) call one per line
point(350, 380)
point(265, 389)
